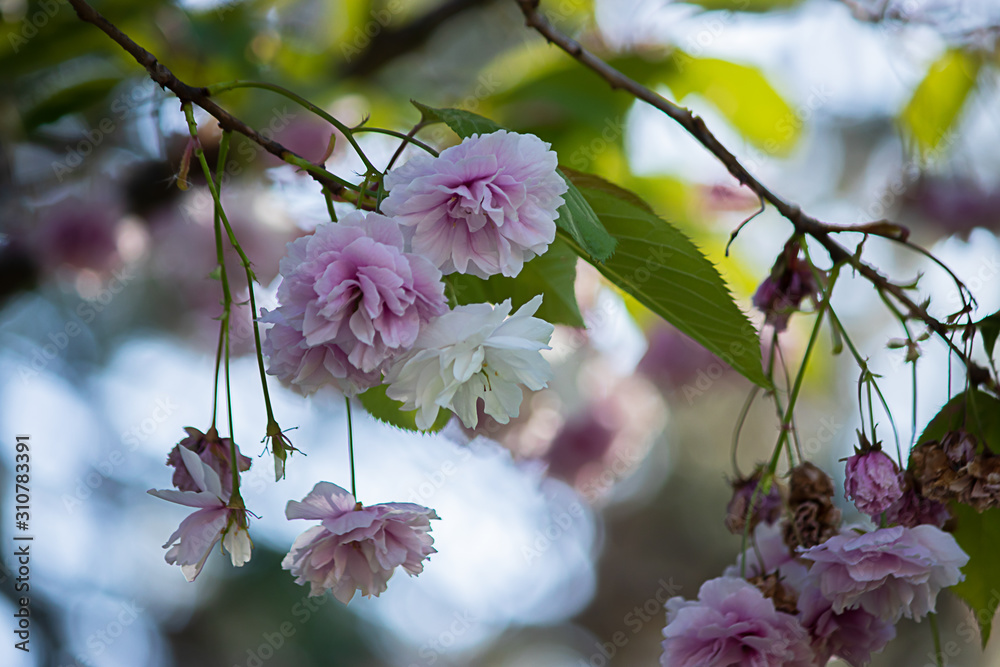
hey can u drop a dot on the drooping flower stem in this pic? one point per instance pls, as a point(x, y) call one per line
point(938, 658)
point(220, 217)
point(218, 364)
point(227, 298)
point(235, 500)
point(329, 205)
point(744, 411)
point(273, 430)
point(350, 445)
point(863, 365)
point(772, 466)
point(298, 99)
point(407, 138)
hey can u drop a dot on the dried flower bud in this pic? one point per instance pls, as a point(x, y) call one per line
point(813, 522)
point(814, 517)
point(809, 483)
point(952, 470)
point(913, 509)
point(782, 292)
point(959, 447)
point(785, 598)
point(767, 504)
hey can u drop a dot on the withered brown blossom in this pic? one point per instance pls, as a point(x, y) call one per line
point(814, 518)
point(957, 468)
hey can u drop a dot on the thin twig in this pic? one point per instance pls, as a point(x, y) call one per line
point(695, 126)
point(187, 93)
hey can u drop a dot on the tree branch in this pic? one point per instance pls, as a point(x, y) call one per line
point(695, 126)
point(390, 43)
point(186, 93)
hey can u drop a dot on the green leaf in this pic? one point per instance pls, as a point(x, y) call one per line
point(977, 534)
point(665, 271)
point(464, 123)
point(745, 97)
point(552, 275)
point(989, 329)
point(575, 216)
point(581, 222)
point(594, 182)
point(980, 416)
point(940, 97)
point(387, 411)
point(745, 5)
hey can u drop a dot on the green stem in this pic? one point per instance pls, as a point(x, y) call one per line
point(298, 99)
point(800, 376)
point(744, 411)
point(938, 656)
point(306, 165)
point(863, 365)
point(218, 355)
point(350, 446)
point(329, 205)
point(227, 298)
point(399, 135)
point(219, 215)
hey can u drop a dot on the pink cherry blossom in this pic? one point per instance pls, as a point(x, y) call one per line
point(194, 539)
point(730, 624)
point(350, 300)
point(889, 572)
point(483, 207)
point(355, 547)
point(852, 635)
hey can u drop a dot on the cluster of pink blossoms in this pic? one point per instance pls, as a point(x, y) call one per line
point(788, 605)
point(362, 302)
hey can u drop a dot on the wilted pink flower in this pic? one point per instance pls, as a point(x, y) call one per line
point(351, 287)
point(853, 635)
point(913, 508)
point(193, 540)
point(355, 547)
point(483, 207)
point(889, 572)
point(873, 481)
point(767, 505)
point(782, 292)
point(767, 553)
point(732, 623)
point(216, 452)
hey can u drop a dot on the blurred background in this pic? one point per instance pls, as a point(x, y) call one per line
point(562, 534)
